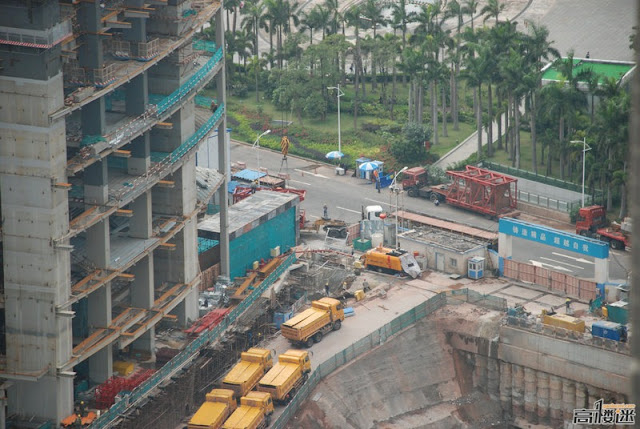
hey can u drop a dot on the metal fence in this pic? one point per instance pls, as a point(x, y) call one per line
point(371, 341)
point(191, 351)
point(540, 200)
point(476, 298)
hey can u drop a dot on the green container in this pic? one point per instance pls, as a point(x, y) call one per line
point(618, 312)
point(362, 245)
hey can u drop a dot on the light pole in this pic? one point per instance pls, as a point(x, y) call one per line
point(394, 187)
point(585, 149)
point(256, 145)
point(340, 94)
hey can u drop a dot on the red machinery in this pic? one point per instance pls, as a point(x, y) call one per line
point(107, 391)
point(592, 222)
point(208, 321)
point(242, 192)
point(480, 190)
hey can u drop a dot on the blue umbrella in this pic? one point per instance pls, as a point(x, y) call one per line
point(369, 166)
point(334, 154)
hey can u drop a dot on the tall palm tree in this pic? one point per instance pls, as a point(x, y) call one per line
point(353, 17)
point(492, 9)
point(471, 7)
point(333, 7)
point(538, 49)
point(476, 73)
point(454, 9)
point(400, 18)
point(309, 21)
point(324, 20)
point(254, 19)
point(373, 11)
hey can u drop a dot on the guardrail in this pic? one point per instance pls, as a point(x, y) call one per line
point(182, 358)
point(186, 88)
point(550, 203)
point(371, 341)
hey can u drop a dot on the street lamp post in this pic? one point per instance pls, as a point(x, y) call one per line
point(340, 94)
point(585, 149)
point(396, 189)
point(256, 145)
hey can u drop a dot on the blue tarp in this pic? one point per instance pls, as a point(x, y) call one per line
point(249, 175)
point(232, 186)
point(205, 244)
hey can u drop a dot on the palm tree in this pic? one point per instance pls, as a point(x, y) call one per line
point(400, 18)
point(333, 7)
point(538, 49)
point(492, 9)
point(454, 9)
point(353, 17)
point(476, 73)
point(324, 20)
point(254, 19)
point(471, 7)
point(373, 11)
point(309, 21)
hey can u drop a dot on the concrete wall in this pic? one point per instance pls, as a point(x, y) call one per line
point(579, 362)
point(544, 212)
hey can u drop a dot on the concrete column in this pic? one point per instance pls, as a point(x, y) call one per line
point(505, 245)
point(96, 186)
point(555, 400)
point(517, 390)
point(94, 119)
point(137, 95)
point(581, 396)
point(530, 401)
point(493, 378)
point(98, 244)
point(99, 316)
point(568, 399)
point(223, 156)
point(601, 270)
point(91, 54)
point(543, 397)
point(142, 296)
point(505, 387)
point(594, 394)
point(140, 160)
point(140, 225)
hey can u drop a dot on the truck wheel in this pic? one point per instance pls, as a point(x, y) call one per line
point(617, 244)
point(412, 193)
point(267, 421)
point(433, 197)
point(337, 325)
point(317, 337)
point(309, 342)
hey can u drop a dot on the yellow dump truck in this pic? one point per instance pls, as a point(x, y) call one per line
point(214, 411)
point(392, 261)
point(311, 325)
point(245, 374)
point(254, 412)
point(287, 375)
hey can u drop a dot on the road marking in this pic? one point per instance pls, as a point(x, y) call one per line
point(349, 210)
point(540, 264)
point(303, 172)
point(297, 181)
point(563, 263)
point(584, 261)
point(377, 202)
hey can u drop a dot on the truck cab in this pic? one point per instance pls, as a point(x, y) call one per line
point(373, 212)
point(260, 400)
point(415, 177)
point(590, 219)
point(258, 355)
point(300, 357)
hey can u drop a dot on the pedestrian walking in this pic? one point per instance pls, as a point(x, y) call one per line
point(326, 289)
point(567, 304)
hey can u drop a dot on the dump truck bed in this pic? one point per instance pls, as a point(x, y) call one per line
point(279, 374)
point(243, 373)
point(244, 417)
point(210, 415)
point(305, 324)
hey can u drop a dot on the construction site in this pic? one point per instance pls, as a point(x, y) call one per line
point(134, 280)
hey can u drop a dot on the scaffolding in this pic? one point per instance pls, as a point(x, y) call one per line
point(148, 50)
point(104, 76)
point(120, 49)
point(43, 39)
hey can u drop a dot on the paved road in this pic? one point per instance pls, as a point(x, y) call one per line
point(345, 196)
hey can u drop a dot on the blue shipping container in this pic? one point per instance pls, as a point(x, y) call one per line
point(608, 330)
point(280, 318)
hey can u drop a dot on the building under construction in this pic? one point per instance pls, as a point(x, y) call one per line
point(98, 185)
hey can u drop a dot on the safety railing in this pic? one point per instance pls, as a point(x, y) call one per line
point(163, 165)
point(371, 341)
point(185, 89)
point(190, 351)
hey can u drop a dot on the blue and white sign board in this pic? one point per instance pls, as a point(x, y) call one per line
point(553, 237)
